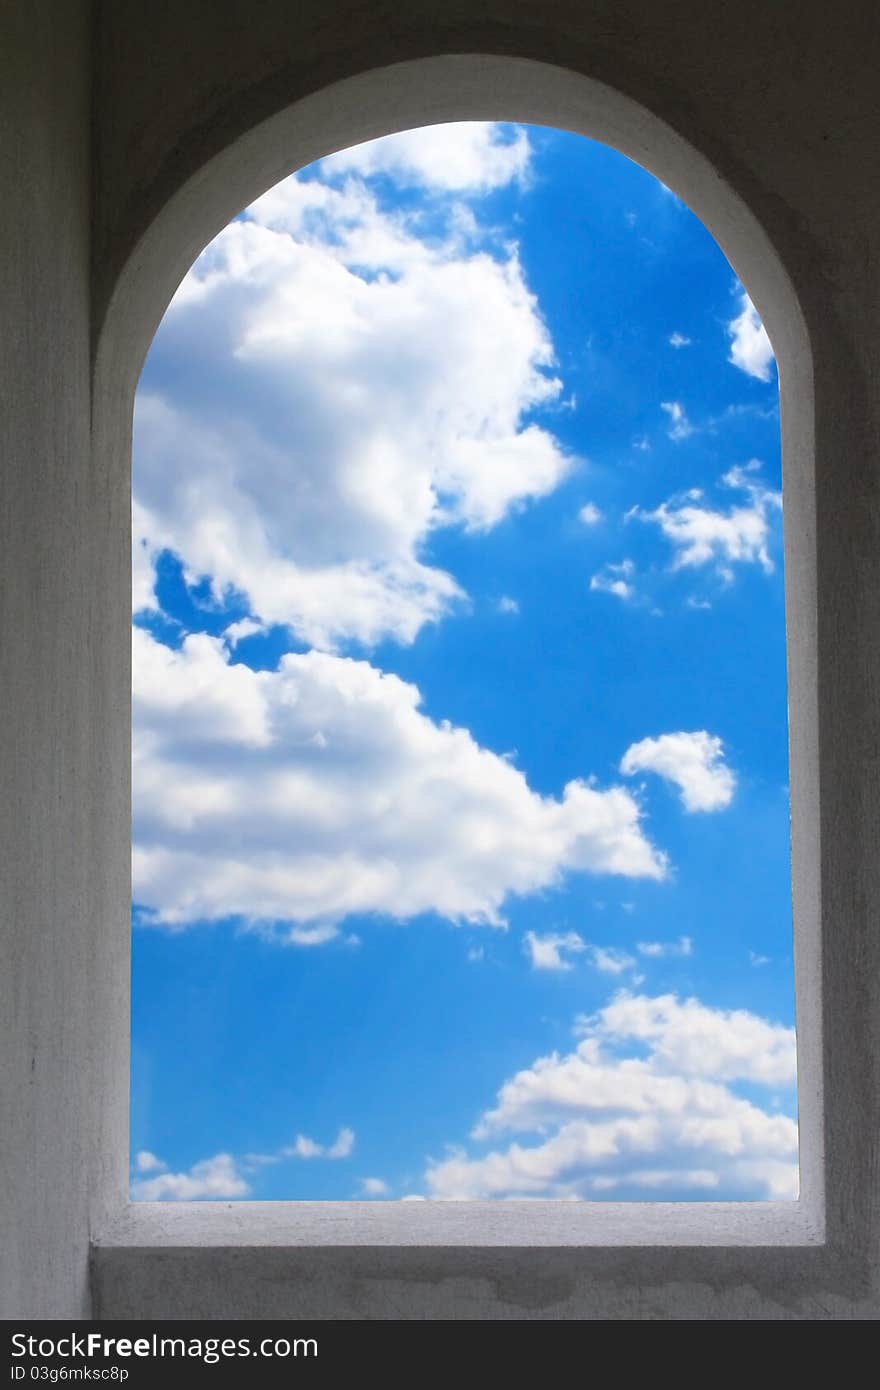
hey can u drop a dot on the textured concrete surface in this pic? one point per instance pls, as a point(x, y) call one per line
point(515, 1283)
point(49, 807)
point(764, 118)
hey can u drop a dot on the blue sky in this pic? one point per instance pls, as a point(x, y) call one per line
point(461, 859)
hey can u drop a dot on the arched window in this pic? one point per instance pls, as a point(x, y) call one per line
point(461, 857)
point(585, 1259)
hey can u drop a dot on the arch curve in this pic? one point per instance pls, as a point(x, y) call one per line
point(420, 92)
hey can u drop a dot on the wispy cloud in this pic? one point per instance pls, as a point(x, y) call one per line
point(225, 1176)
point(342, 1145)
point(551, 950)
point(146, 1162)
point(704, 535)
point(610, 960)
point(615, 579)
point(559, 950)
point(374, 1187)
point(657, 950)
point(679, 426)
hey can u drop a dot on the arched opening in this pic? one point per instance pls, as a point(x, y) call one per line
point(425, 470)
point(488, 88)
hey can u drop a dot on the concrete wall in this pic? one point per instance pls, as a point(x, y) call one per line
point(778, 96)
point(779, 99)
point(49, 819)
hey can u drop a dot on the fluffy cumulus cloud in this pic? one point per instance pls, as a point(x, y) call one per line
point(214, 1179)
point(704, 535)
point(462, 157)
point(693, 762)
point(332, 382)
point(302, 795)
point(750, 348)
point(647, 1101)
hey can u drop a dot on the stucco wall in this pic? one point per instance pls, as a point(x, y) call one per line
point(48, 823)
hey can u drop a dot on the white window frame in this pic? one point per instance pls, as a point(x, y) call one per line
point(606, 1260)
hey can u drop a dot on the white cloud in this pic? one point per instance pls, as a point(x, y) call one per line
point(374, 1187)
point(689, 1036)
point(506, 604)
point(694, 762)
point(684, 946)
point(679, 340)
point(750, 348)
point(215, 1179)
point(240, 811)
point(315, 936)
point(337, 383)
point(461, 157)
point(238, 631)
point(143, 557)
point(679, 424)
point(658, 1178)
point(223, 1176)
point(342, 1145)
point(615, 579)
point(755, 958)
point(702, 535)
point(549, 952)
point(146, 1162)
point(610, 960)
point(476, 953)
point(589, 514)
point(645, 1101)
point(304, 1147)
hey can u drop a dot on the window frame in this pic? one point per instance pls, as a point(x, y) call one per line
point(145, 1255)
